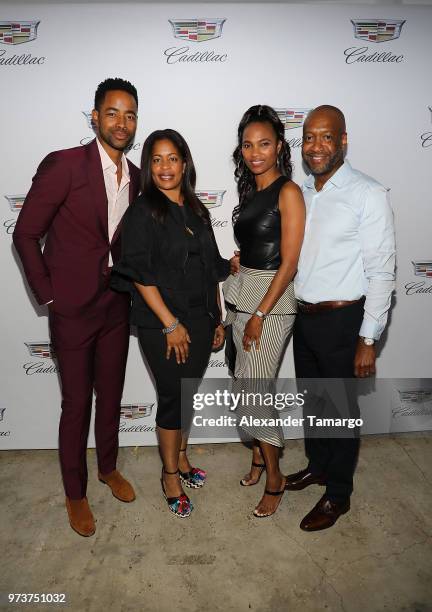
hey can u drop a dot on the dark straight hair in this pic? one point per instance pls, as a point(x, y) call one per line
point(246, 185)
point(156, 199)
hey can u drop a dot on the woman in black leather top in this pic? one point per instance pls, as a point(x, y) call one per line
point(171, 265)
point(268, 227)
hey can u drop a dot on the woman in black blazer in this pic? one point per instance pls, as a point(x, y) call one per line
point(171, 264)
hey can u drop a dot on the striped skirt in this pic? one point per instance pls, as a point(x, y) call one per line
point(246, 289)
point(255, 370)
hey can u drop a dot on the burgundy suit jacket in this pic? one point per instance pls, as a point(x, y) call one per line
point(67, 202)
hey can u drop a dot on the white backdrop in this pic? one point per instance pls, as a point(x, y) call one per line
point(291, 57)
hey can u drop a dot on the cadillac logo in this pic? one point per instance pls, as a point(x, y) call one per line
point(18, 32)
point(15, 202)
point(40, 349)
point(417, 402)
point(423, 267)
point(135, 411)
point(211, 199)
point(88, 116)
point(3, 434)
point(197, 30)
point(292, 117)
point(426, 137)
point(416, 396)
point(377, 30)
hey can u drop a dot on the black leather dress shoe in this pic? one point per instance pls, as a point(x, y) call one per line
point(301, 480)
point(324, 514)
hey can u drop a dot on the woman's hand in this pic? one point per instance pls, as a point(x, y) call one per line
point(178, 340)
point(252, 333)
point(219, 336)
point(235, 263)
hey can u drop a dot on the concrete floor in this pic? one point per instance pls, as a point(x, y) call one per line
point(376, 558)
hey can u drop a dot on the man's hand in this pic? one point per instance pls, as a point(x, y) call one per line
point(235, 263)
point(364, 360)
point(252, 333)
point(219, 336)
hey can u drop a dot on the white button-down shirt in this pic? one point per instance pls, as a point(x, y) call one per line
point(349, 247)
point(117, 195)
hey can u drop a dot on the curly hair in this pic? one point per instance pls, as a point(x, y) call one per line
point(245, 179)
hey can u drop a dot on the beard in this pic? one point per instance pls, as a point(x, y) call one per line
point(334, 161)
point(113, 142)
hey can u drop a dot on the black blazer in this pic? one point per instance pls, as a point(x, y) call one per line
point(155, 253)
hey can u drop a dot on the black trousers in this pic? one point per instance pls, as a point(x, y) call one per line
point(168, 373)
point(324, 347)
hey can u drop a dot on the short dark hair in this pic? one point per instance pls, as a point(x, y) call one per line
point(113, 84)
point(329, 108)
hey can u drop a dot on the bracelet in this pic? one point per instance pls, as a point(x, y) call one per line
point(168, 330)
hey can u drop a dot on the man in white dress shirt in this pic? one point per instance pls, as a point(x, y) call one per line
point(344, 284)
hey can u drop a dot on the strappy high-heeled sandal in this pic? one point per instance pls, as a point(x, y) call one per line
point(181, 506)
point(195, 478)
point(247, 483)
point(274, 493)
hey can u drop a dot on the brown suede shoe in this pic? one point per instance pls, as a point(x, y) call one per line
point(324, 514)
point(80, 516)
point(120, 487)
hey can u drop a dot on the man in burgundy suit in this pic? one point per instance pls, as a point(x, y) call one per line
point(77, 200)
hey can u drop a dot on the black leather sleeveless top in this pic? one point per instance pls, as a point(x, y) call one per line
point(258, 228)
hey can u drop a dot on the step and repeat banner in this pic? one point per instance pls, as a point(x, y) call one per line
point(197, 68)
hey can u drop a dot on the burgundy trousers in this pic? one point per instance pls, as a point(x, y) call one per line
point(91, 351)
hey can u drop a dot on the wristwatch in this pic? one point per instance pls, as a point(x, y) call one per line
point(368, 341)
point(259, 313)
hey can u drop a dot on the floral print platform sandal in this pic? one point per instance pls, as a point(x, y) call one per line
point(181, 506)
point(195, 478)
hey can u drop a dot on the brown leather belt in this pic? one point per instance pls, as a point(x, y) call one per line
point(308, 308)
